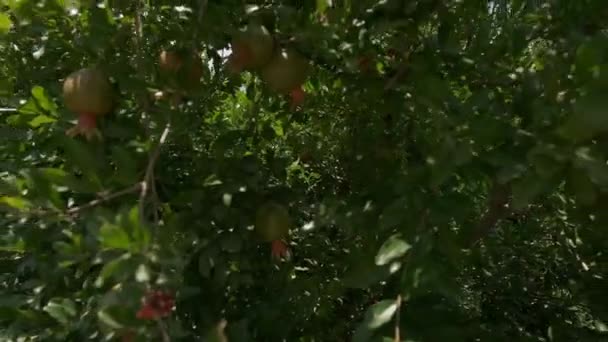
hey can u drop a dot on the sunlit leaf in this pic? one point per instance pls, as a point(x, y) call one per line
point(112, 236)
point(5, 23)
point(42, 99)
point(376, 316)
point(18, 203)
point(118, 268)
point(41, 120)
point(392, 248)
point(61, 309)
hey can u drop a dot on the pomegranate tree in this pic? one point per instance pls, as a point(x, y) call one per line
point(87, 93)
point(272, 225)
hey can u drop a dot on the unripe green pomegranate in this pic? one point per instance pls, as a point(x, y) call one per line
point(272, 225)
point(87, 93)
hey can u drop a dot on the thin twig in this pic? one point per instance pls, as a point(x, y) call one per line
point(149, 175)
point(103, 199)
point(199, 20)
point(155, 199)
point(163, 330)
point(140, 56)
point(393, 80)
point(40, 213)
point(398, 320)
point(497, 208)
point(201, 11)
point(403, 68)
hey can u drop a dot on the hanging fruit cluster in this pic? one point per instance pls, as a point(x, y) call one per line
point(283, 69)
point(89, 94)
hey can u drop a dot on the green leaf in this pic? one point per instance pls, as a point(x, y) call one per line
point(277, 126)
point(43, 101)
point(41, 120)
point(107, 319)
point(589, 55)
point(590, 117)
point(61, 309)
point(6, 87)
point(139, 233)
point(61, 178)
point(584, 190)
point(322, 5)
point(28, 108)
point(206, 262)
point(118, 268)
point(126, 165)
point(232, 243)
point(5, 23)
point(112, 236)
point(596, 168)
point(393, 248)
point(18, 203)
point(365, 274)
point(526, 189)
point(83, 156)
point(12, 300)
point(376, 316)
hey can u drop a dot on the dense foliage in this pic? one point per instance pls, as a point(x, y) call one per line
point(444, 166)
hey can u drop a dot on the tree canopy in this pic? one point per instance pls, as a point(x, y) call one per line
point(330, 170)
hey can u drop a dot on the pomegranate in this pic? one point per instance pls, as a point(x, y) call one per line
point(306, 156)
point(156, 304)
point(297, 97)
point(128, 336)
point(182, 69)
point(286, 71)
point(252, 48)
point(169, 61)
point(87, 93)
point(364, 63)
point(285, 74)
point(272, 225)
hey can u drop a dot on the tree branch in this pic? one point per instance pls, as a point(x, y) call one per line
point(103, 199)
point(140, 56)
point(149, 175)
point(77, 210)
point(392, 82)
point(398, 320)
point(497, 208)
point(163, 330)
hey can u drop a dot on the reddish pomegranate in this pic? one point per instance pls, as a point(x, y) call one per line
point(156, 304)
point(297, 97)
point(306, 156)
point(169, 61)
point(87, 93)
point(181, 69)
point(128, 336)
point(272, 225)
point(364, 63)
point(252, 48)
point(285, 74)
